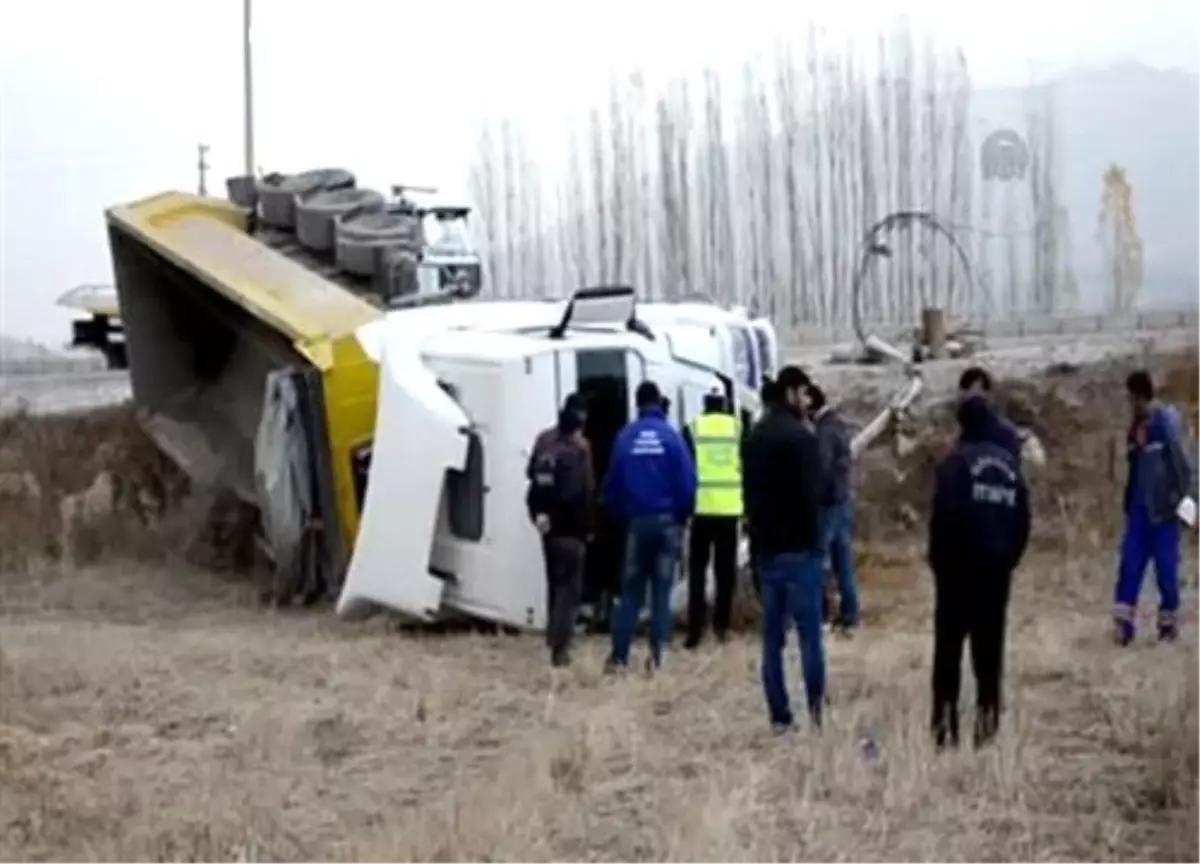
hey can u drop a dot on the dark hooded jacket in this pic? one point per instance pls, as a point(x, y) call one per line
point(980, 518)
point(573, 515)
point(1000, 430)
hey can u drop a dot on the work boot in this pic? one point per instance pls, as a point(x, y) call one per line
point(692, 643)
point(1123, 632)
point(945, 728)
point(560, 658)
point(816, 716)
point(1168, 626)
point(987, 724)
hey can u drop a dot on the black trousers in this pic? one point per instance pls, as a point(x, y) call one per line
point(565, 558)
point(713, 538)
point(969, 604)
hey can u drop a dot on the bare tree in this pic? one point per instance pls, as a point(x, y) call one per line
point(811, 254)
point(869, 137)
point(483, 183)
point(794, 289)
point(764, 143)
point(672, 215)
point(718, 232)
point(751, 129)
point(887, 292)
point(961, 173)
point(682, 110)
point(601, 223)
point(904, 163)
point(640, 160)
point(930, 150)
point(619, 189)
point(1119, 238)
point(834, 141)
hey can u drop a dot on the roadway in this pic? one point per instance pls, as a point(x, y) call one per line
point(1008, 356)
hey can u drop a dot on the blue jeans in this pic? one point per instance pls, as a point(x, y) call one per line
point(791, 590)
point(651, 553)
point(837, 532)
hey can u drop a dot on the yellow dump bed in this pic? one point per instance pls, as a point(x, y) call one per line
point(207, 237)
point(209, 310)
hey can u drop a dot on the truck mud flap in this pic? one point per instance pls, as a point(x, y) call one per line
point(293, 479)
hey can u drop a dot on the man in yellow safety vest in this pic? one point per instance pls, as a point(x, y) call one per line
point(715, 439)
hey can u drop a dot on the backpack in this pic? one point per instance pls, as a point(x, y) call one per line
point(558, 485)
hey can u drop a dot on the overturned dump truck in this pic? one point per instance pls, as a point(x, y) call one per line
point(308, 347)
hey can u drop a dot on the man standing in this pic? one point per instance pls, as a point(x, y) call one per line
point(975, 381)
point(977, 534)
point(714, 440)
point(781, 489)
point(837, 504)
point(1159, 478)
point(560, 504)
point(651, 487)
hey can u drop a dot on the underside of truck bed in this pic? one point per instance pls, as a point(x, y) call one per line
point(198, 365)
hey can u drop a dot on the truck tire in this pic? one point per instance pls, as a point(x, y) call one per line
point(360, 234)
point(277, 193)
point(318, 211)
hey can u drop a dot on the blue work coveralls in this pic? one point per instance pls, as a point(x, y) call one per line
point(1160, 476)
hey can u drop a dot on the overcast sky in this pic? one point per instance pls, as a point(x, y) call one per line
point(105, 101)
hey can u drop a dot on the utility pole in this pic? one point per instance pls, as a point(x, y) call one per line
point(202, 168)
point(247, 89)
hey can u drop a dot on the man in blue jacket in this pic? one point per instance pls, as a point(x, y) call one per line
point(978, 531)
point(651, 487)
point(1159, 478)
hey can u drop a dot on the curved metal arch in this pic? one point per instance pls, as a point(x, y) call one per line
point(871, 245)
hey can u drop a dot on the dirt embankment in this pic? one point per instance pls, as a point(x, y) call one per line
point(1078, 413)
point(44, 460)
point(1080, 416)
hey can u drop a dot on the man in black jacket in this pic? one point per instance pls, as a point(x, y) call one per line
point(781, 484)
point(560, 503)
point(977, 534)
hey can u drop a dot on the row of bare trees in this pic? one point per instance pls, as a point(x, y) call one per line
point(761, 193)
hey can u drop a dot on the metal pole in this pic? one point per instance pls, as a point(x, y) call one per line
point(202, 168)
point(247, 89)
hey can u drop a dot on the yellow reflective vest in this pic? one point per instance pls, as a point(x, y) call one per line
point(718, 465)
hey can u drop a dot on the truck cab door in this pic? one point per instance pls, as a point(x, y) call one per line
point(767, 343)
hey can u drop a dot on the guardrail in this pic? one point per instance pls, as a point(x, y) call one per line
point(67, 365)
point(1028, 326)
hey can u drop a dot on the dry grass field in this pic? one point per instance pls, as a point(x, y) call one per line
point(153, 715)
point(152, 710)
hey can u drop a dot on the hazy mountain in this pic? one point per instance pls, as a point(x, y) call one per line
point(1145, 120)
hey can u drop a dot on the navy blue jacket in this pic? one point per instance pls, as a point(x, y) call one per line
point(651, 472)
point(981, 514)
point(1001, 432)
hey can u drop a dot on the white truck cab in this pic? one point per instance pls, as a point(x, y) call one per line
point(464, 391)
